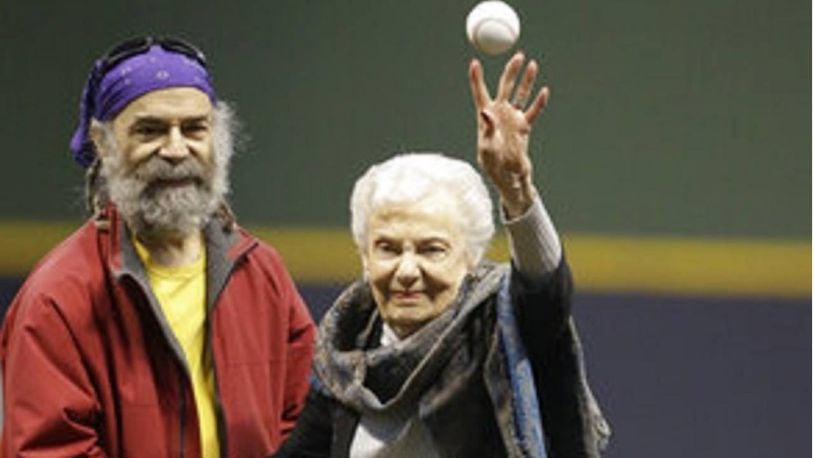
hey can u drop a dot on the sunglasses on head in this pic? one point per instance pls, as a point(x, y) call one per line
point(141, 45)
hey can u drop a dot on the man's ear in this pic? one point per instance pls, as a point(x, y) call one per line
point(96, 134)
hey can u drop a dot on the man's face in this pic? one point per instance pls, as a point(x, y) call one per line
point(159, 163)
point(174, 124)
point(415, 260)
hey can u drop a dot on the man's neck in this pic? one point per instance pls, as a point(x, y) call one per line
point(173, 251)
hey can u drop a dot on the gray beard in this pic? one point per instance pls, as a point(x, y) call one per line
point(152, 210)
point(155, 211)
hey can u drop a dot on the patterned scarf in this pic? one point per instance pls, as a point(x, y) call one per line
point(380, 379)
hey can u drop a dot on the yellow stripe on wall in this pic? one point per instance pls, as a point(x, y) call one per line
point(691, 266)
point(682, 266)
point(22, 243)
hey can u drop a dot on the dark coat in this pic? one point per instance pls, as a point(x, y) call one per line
point(572, 424)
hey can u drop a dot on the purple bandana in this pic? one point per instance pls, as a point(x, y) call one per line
point(142, 73)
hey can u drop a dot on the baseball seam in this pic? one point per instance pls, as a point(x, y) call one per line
point(479, 24)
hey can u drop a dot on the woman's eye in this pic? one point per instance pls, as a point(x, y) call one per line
point(433, 250)
point(385, 248)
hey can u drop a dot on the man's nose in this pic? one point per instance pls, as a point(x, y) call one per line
point(175, 148)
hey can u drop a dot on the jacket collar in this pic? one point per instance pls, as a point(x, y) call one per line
point(225, 246)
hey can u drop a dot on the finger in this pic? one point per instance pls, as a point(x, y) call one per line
point(537, 106)
point(509, 75)
point(480, 93)
point(521, 96)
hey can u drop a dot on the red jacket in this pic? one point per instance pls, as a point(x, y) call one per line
point(92, 369)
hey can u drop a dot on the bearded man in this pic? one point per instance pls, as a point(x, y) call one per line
point(160, 327)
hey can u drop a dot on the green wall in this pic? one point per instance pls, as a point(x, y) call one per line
point(688, 118)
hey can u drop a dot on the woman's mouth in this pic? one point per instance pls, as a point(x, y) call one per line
point(406, 295)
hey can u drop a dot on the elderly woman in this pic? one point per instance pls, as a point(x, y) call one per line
point(436, 352)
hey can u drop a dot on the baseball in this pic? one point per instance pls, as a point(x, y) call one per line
point(492, 27)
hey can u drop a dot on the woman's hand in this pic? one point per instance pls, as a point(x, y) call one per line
point(504, 125)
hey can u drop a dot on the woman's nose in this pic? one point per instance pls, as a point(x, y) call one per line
point(408, 270)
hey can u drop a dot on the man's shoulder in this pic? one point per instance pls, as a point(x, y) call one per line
point(261, 273)
point(73, 250)
point(259, 258)
point(65, 278)
point(258, 248)
point(74, 261)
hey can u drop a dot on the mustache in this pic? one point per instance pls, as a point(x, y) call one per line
point(156, 170)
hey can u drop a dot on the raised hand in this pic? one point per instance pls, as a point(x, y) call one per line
point(504, 126)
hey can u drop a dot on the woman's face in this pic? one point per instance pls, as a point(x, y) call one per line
point(415, 260)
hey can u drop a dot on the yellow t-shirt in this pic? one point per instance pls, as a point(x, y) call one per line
point(181, 291)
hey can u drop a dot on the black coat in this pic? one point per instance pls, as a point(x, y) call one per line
point(326, 427)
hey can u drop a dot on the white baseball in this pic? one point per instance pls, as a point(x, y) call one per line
point(492, 27)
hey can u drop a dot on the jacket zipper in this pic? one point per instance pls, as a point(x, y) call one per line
point(221, 416)
point(182, 366)
point(182, 370)
point(182, 416)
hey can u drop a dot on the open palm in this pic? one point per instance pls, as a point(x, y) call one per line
point(504, 125)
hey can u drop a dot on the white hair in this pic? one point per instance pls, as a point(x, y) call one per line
point(415, 176)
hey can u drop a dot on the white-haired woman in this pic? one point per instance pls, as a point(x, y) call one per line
point(436, 352)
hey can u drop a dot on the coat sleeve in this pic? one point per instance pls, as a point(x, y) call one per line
point(299, 353)
point(50, 406)
point(573, 423)
point(313, 434)
point(543, 308)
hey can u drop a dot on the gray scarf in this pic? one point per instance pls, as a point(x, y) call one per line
point(380, 380)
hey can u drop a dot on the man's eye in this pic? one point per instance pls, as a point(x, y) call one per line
point(148, 131)
point(195, 129)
